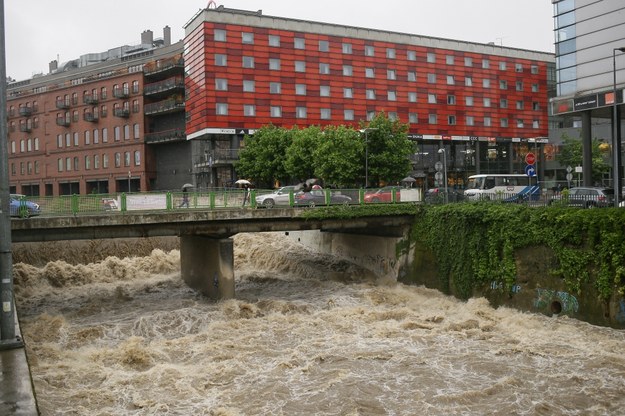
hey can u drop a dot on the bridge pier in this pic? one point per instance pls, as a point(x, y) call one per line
point(207, 265)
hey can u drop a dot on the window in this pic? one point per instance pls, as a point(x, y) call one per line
point(518, 68)
point(451, 99)
point(347, 48)
point(432, 98)
point(275, 88)
point(249, 110)
point(126, 132)
point(502, 65)
point(348, 93)
point(221, 84)
point(519, 123)
point(324, 46)
point(221, 60)
point(369, 72)
point(324, 68)
point(451, 80)
point(411, 55)
point(118, 160)
point(105, 135)
point(274, 40)
point(248, 62)
point(390, 53)
point(370, 94)
point(431, 58)
point(299, 43)
point(326, 114)
point(470, 121)
point(348, 70)
point(247, 38)
point(300, 112)
point(432, 119)
point(535, 124)
point(534, 87)
point(485, 64)
point(126, 159)
point(348, 114)
point(487, 122)
point(96, 161)
point(412, 76)
point(391, 95)
point(369, 50)
point(105, 161)
point(503, 103)
point(219, 35)
point(503, 84)
point(87, 137)
point(449, 59)
point(370, 115)
point(486, 83)
point(413, 118)
point(136, 130)
point(468, 61)
point(519, 105)
point(275, 111)
point(486, 102)
point(468, 101)
point(96, 136)
point(137, 158)
point(300, 66)
point(300, 89)
point(390, 74)
point(274, 64)
point(324, 91)
point(59, 165)
point(519, 85)
point(503, 122)
point(468, 82)
point(535, 106)
point(451, 120)
point(76, 139)
point(412, 97)
point(392, 115)
point(221, 109)
point(249, 86)
point(534, 69)
point(431, 78)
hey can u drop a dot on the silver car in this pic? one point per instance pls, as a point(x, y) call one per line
point(586, 197)
point(279, 197)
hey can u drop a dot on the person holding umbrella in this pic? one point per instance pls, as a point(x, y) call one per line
point(246, 187)
point(185, 196)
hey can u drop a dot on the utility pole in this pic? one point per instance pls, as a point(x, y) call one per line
point(8, 338)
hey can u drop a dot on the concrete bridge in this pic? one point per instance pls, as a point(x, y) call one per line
point(206, 249)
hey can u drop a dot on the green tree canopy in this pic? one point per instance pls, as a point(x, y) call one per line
point(571, 154)
point(262, 157)
point(338, 156)
point(300, 161)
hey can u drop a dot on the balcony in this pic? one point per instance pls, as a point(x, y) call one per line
point(25, 128)
point(165, 87)
point(61, 121)
point(25, 111)
point(164, 68)
point(62, 104)
point(167, 136)
point(90, 117)
point(163, 107)
point(121, 93)
point(90, 99)
point(121, 112)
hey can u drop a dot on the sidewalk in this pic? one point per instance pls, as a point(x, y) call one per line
point(17, 396)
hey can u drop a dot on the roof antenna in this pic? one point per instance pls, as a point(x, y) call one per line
point(211, 2)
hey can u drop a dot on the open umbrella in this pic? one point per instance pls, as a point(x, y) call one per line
point(187, 185)
point(243, 182)
point(408, 179)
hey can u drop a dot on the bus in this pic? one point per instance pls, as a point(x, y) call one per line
point(511, 187)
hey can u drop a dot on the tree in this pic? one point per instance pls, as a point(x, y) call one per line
point(262, 156)
point(571, 154)
point(388, 150)
point(338, 156)
point(300, 161)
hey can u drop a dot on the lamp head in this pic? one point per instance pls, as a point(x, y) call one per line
point(622, 49)
point(441, 150)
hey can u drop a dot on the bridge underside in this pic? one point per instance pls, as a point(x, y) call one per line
point(207, 265)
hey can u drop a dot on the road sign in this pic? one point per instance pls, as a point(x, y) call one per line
point(530, 170)
point(530, 158)
point(438, 166)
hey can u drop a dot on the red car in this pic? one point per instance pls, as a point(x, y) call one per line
point(384, 194)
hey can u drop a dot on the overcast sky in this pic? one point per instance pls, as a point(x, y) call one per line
point(40, 31)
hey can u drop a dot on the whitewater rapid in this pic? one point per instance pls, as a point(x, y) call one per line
point(307, 334)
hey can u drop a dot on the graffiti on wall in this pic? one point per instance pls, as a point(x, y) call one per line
point(546, 297)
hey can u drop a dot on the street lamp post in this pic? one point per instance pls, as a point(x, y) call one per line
point(616, 141)
point(366, 132)
point(442, 151)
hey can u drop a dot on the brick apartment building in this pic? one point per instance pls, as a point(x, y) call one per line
point(486, 104)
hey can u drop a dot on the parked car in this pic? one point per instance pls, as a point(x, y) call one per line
point(384, 194)
point(278, 197)
point(317, 196)
point(585, 197)
point(19, 206)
